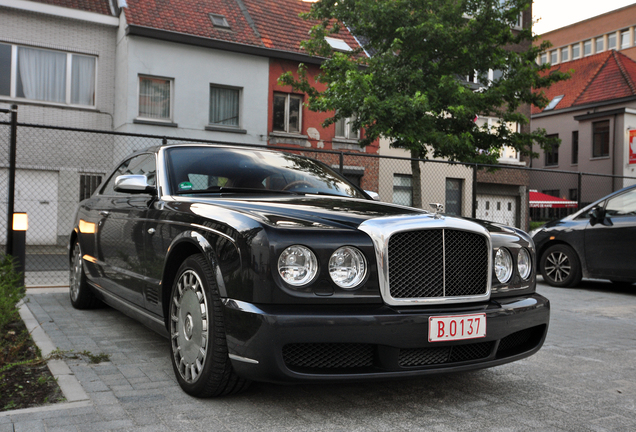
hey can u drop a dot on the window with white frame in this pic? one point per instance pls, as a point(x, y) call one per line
point(565, 54)
point(611, 41)
point(403, 189)
point(600, 44)
point(544, 58)
point(587, 47)
point(554, 57)
point(345, 129)
point(155, 98)
point(224, 106)
point(625, 42)
point(287, 113)
point(46, 75)
point(576, 51)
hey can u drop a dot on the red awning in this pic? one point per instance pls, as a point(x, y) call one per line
point(541, 200)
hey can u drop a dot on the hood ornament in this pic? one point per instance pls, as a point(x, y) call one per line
point(439, 208)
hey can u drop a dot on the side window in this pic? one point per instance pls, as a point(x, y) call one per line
point(622, 205)
point(140, 165)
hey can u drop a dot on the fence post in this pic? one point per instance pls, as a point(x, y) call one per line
point(474, 211)
point(579, 192)
point(341, 162)
point(13, 138)
point(164, 141)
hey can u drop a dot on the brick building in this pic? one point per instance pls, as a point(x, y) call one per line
point(614, 30)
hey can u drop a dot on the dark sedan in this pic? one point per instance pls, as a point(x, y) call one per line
point(262, 265)
point(598, 241)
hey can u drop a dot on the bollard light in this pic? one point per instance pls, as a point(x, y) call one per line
point(20, 222)
point(20, 226)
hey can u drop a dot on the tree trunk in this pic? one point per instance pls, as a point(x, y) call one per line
point(417, 179)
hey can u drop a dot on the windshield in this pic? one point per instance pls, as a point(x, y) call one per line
point(196, 170)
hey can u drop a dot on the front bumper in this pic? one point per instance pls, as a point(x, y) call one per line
point(292, 343)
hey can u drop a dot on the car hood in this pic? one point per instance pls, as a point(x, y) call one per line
point(314, 211)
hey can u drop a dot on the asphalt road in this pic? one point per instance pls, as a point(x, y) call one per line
point(583, 379)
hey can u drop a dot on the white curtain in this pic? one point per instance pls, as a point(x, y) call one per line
point(224, 106)
point(83, 80)
point(154, 98)
point(43, 74)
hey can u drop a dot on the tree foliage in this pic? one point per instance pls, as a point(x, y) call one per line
point(412, 88)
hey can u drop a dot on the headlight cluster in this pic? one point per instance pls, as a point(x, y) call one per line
point(504, 264)
point(298, 266)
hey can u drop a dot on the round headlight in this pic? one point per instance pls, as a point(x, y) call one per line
point(503, 265)
point(524, 265)
point(347, 267)
point(297, 265)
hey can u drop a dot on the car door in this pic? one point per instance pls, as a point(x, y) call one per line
point(120, 231)
point(610, 249)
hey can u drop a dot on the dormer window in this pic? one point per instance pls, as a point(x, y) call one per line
point(219, 21)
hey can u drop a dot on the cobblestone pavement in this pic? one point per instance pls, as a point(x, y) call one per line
point(584, 379)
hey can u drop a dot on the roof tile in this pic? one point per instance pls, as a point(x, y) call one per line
point(601, 77)
point(276, 21)
point(97, 6)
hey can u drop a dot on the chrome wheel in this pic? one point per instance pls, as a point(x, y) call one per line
point(189, 326)
point(557, 266)
point(76, 274)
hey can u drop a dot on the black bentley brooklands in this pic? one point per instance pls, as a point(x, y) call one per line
point(263, 265)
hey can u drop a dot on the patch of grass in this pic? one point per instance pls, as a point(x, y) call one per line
point(537, 224)
point(25, 380)
point(84, 355)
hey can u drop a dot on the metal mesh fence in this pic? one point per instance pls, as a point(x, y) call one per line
point(58, 167)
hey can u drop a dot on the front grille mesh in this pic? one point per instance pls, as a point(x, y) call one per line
point(437, 263)
point(328, 355)
point(441, 355)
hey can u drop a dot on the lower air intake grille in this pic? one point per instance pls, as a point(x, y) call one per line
point(328, 356)
point(441, 355)
point(520, 341)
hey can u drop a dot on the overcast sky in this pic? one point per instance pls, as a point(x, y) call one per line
point(554, 14)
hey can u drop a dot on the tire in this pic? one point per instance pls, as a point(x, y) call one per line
point(560, 266)
point(81, 295)
point(198, 348)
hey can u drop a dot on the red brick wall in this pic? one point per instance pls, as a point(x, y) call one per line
point(310, 119)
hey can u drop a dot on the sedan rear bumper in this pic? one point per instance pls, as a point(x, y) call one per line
point(293, 343)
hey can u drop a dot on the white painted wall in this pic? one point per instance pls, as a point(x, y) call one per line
point(193, 70)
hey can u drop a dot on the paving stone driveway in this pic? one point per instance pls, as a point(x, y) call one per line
point(583, 379)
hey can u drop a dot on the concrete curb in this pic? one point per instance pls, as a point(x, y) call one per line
point(70, 386)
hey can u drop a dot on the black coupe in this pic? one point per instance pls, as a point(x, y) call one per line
point(264, 265)
point(598, 241)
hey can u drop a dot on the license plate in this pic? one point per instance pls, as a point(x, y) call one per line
point(457, 327)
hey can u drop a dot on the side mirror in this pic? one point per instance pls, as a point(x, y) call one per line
point(374, 195)
point(134, 184)
point(597, 213)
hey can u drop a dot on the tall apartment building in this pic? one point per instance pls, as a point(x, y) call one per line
point(614, 30)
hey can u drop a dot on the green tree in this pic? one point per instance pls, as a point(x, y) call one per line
point(412, 89)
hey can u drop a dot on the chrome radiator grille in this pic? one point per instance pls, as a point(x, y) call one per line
point(437, 263)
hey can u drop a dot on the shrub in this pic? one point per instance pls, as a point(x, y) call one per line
point(11, 292)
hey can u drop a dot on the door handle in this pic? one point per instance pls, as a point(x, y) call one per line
point(104, 213)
